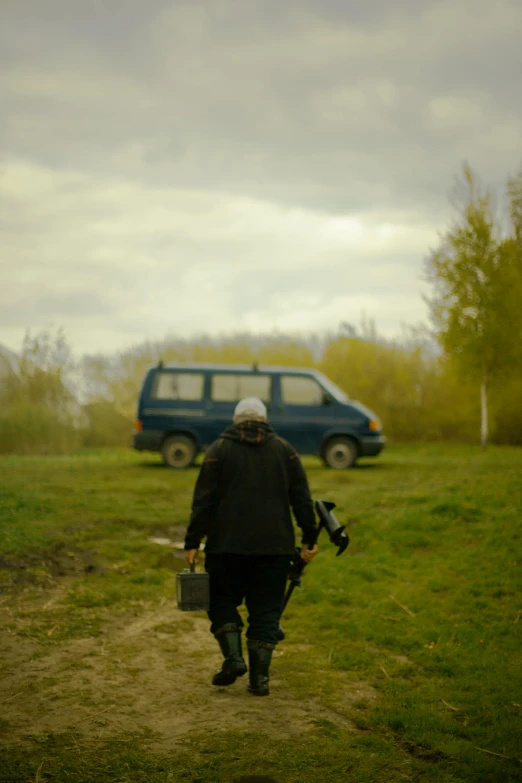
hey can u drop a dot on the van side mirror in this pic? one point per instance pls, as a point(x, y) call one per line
point(327, 400)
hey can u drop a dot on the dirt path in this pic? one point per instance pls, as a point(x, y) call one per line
point(152, 673)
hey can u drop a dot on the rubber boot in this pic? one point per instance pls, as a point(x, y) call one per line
point(259, 657)
point(234, 666)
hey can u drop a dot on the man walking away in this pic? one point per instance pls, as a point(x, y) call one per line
point(249, 481)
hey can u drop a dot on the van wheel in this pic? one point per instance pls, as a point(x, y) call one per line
point(340, 453)
point(178, 451)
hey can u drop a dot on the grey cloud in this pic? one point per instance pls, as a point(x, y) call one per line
point(161, 150)
point(328, 108)
point(35, 306)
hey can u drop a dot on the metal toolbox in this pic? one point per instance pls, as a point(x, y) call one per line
point(192, 590)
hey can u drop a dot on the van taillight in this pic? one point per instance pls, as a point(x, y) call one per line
point(138, 426)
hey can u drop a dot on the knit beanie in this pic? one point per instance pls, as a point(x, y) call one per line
point(250, 407)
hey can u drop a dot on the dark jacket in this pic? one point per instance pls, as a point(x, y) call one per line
point(248, 481)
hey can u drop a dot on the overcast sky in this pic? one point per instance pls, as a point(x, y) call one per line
point(179, 166)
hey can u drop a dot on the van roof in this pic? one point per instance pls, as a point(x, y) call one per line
point(238, 368)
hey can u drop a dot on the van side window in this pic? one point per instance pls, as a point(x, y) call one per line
point(178, 386)
point(232, 388)
point(301, 391)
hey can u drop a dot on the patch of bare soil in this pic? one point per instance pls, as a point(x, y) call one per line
point(41, 567)
point(148, 673)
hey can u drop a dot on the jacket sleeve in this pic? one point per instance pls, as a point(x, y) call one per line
point(301, 499)
point(204, 499)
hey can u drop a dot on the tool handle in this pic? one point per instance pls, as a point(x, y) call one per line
point(311, 544)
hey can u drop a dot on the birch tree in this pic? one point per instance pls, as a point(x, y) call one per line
point(515, 207)
point(470, 273)
point(515, 262)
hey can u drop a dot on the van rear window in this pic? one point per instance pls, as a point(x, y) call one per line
point(232, 388)
point(178, 386)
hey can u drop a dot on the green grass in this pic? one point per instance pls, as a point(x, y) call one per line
point(424, 610)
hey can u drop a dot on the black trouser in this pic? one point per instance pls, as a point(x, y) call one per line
point(259, 580)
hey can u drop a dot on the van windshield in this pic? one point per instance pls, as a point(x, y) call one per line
point(332, 388)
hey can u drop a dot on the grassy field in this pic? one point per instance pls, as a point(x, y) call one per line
point(402, 659)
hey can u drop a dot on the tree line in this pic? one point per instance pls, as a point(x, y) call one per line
point(460, 379)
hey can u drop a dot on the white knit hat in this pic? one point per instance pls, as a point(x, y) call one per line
point(250, 406)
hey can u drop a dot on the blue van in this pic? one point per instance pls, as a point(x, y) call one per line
point(183, 408)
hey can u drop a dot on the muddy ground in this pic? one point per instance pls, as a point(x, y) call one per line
point(149, 673)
